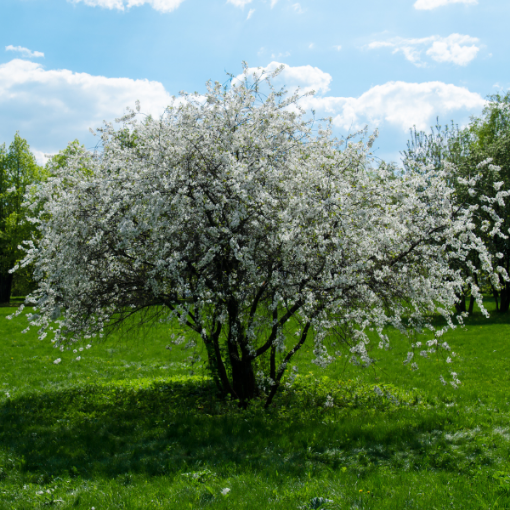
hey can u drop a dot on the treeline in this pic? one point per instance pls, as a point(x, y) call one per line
point(18, 171)
point(486, 137)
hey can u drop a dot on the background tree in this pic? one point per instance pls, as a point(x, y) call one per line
point(490, 139)
point(18, 171)
point(445, 145)
point(486, 138)
point(231, 215)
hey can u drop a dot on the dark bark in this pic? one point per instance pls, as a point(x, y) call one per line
point(243, 380)
point(460, 305)
point(495, 295)
point(283, 366)
point(5, 287)
point(471, 298)
point(216, 366)
point(471, 305)
point(272, 362)
point(505, 298)
point(244, 384)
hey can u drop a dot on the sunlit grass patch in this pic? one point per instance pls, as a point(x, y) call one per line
point(128, 427)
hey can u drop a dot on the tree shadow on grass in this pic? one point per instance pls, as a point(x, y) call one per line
point(165, 428)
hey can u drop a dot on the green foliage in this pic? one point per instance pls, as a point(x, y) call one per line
point(128, 427)
point(18, 172)
point(486, 137)
point(443, 144)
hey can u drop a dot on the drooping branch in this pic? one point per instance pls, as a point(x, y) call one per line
point(283, 364)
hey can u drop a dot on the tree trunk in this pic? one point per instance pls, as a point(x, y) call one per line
point(495, 294)
point(505, 298)
point(460, 305)
point(5, 287)
point(244, 383)
point(471, 305)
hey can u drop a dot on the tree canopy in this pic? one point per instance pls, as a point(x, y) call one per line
point(485, 139)
point(238, 217)
point(18, 170)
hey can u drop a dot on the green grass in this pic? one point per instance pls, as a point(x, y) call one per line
point(128, 427)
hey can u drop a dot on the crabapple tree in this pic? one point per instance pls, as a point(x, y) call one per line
point(236, 216)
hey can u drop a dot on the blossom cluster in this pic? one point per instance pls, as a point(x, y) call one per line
point(235, 214)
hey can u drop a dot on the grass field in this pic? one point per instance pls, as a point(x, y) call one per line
point(128, 427)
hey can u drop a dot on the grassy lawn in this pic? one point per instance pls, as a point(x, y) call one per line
point(128, 427)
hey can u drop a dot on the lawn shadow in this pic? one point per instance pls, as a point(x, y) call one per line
point(169, 427)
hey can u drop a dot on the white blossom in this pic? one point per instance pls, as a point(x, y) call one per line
point(232, 214)
point(329, 402)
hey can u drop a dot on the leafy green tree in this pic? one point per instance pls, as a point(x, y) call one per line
point(446, 144)
point(18, 170)
point(490, 138)
point(486, 137)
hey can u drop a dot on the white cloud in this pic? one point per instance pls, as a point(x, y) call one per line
point(239, 3)
point(311, 46)
point(432, 4)
point(41, 157)
point(52, 107)
point(297, 7)
point(250, 13)
point(396, 104)
point(456, 48)
point(273, 3)
point(305, 77)
point(399, 104)
point(158, 5)
point(25, 52)
point(338, 47)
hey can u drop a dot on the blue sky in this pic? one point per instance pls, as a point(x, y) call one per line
point(65, 66)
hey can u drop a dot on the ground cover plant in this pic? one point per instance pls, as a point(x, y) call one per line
point(128, 426)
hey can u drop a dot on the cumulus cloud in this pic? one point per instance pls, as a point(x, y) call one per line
point(398, 104)
point(307, 78)
point(52, 107)
point(427, 5)
point(394, 104)
point(273, 3)
point(250, 13)
point(158, 5)
point(25, 52)
point(456, 48)
point(41, 157)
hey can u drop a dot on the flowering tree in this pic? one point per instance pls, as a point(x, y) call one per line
point(485, 137)
point(234, 216)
